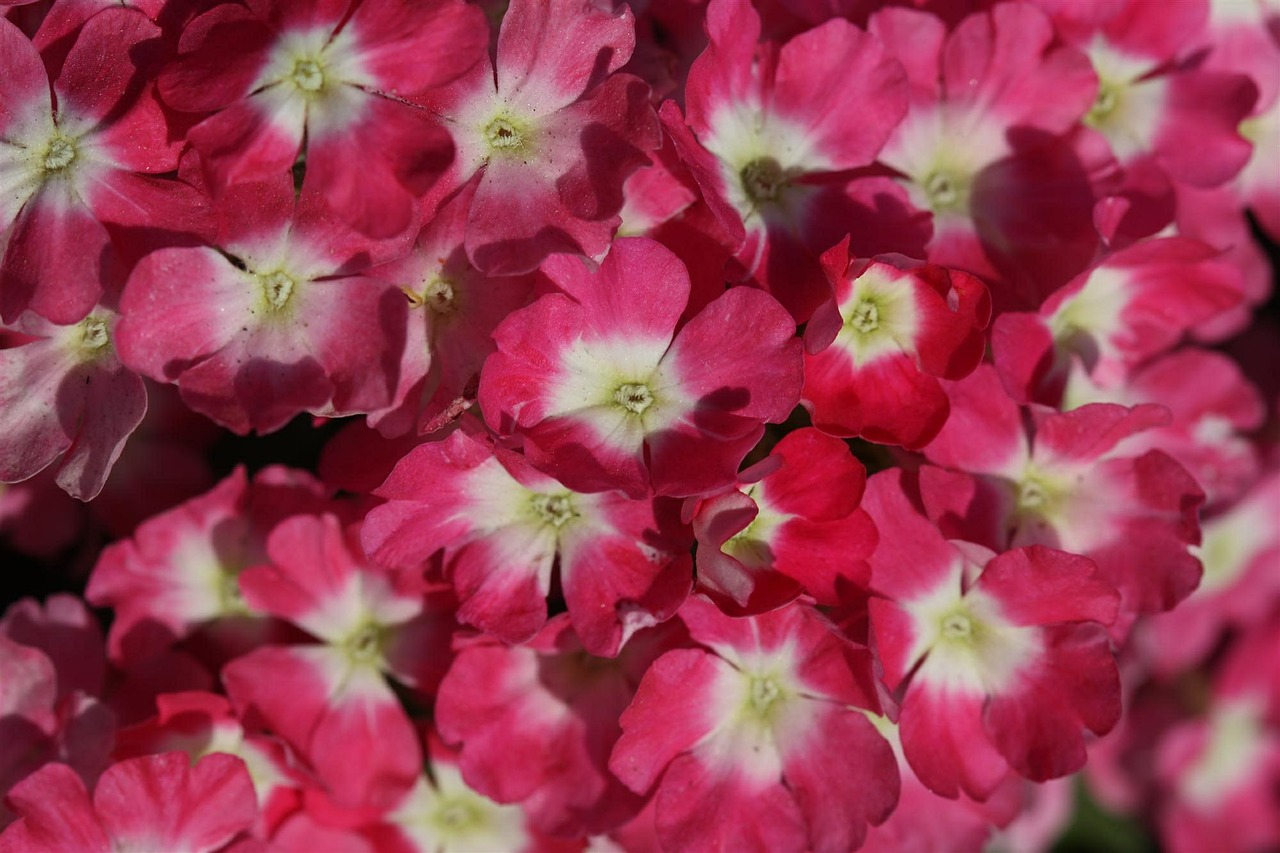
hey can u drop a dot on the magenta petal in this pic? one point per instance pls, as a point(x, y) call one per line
point(944, 740)
point(247, 141)
point(751, 815)
point(165, 801)
point(614, 584)
point(409, 46)
point(57, 261)
point(819, 479)
point(502, 583)
point(1042, 586)
point(98, 85)
point(838, 797)
point(550, 52)
point(25, 80)
point(364, 746)
point(639, 290)
point(221, 54)
point(115, 402)
point(1037, 724)
point(740, 355)
point(669, 715)
point(369, 171)
point(180, 306)
point(57, 816)
point(843, 88)
point(284, 689)
point(58, 397)
point(30, 379)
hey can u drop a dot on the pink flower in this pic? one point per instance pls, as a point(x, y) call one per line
point(284, 77)
point(278, 320)
point(202, 724)
point(792, 526)
point(1162, 116)
point(1134, 304)
point(453, 311)
point(535, 724)
point(606, 393)
point(160, 802)
point(80, 176)
point(65, 394)
point(179, 571)
point(985, 147)
point(1219, 773)
point(1000, 660)
point(623, 564)
point(329, 699)
point(760, 720)
point(1067, 480)
point(549, 133)
point(775, 126)
point(875, 352)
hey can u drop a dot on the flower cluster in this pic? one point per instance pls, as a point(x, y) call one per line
point(712, 424)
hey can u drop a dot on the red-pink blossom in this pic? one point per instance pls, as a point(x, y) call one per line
point(83, 154)
point(277, 320)
point(329, 700)
point(548, 132)
point(65, 395)
point(770, 128)
point(180, 569)
point(159, 802)
point(201, 724)
point(792, 526)
point(535, 724)
point(328, 79)
point(1066, 480)
point(1133, 305)
point(875, 352)
point(760, 719)
point(1001, 661)
point(606, 393)
point(986, 146)
point(503, 526)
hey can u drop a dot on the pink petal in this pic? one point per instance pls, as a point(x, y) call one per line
point(1036, 726)
point(837, 797)
point(408, 47)
point(220, 55)
point(944, 740)
point(669, 715)
point(839, 84)
point(166, 800)
point(54, 263)
point(56, 815)
point(26, 83)
point(551, 53)
point(96, 87)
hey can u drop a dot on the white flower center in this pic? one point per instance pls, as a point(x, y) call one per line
point(439, 296)
point(763, 180)
point(957, 626)
point(93, 334)
point(555, 510)
point(59, 155)
point(507, 135)
point(633, 397)
point(364, 645)
point(457, 814)
point(277, 287)
point(865, 317)
point(943, 191)
point(308, 75)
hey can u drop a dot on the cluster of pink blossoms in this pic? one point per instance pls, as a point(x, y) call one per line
point(595, 317)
